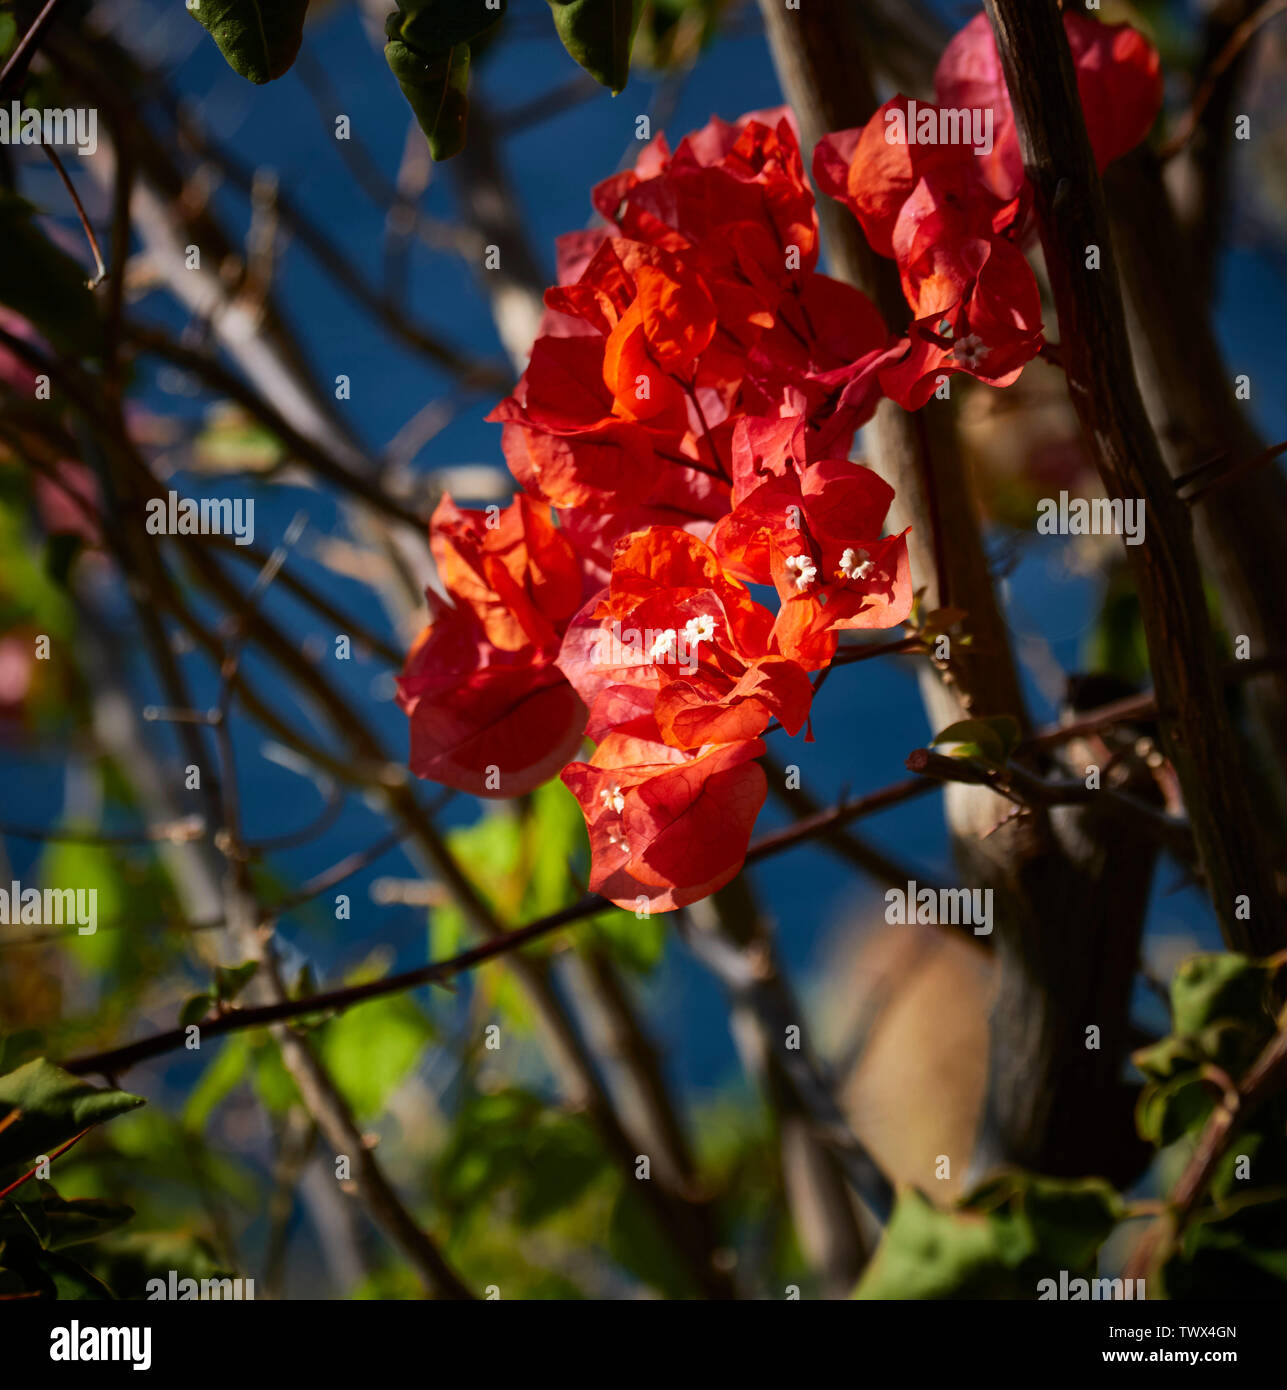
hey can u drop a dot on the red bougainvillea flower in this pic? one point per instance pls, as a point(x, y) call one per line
point(874, 170)
point(630, 372)
point(490, 712)
point(703, 302)
point(485, 721)
point(675, 659)
point(990, 332)
point(677, 637)
point(666, 827)
point(975, 303)
point(1119, 80)
point(822, 360)
point(517, 572)
point(814, 532)
point(737, 197)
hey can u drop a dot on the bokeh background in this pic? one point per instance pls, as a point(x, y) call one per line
point(202, 1157)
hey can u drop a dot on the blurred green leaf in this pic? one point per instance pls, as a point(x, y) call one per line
point(74, 1221)
point(990, 740)
point(194, 1009)
point(599, 35)
point(230, 980)
point(510, 1142)
point(1227, 985)
point(259, 38)
point(372, 1048)
point(53, 1106)
point(999, 1242)
point(637, 1244)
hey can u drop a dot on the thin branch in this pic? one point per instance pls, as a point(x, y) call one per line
point(309, 453)
point(1238, 40)
point(101, 275)
point(20, 59)
point(130, 1054)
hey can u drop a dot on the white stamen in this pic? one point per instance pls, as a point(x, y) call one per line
point(856, 564)
point(664, 646)
point(803, 568)
point(699, 629)
point(612, 798)
point(970, 350)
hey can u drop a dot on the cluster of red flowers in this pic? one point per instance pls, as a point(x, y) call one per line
point(952, 216)
point(681, 433)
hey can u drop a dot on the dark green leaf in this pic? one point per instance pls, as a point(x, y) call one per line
point(437, 89)
point(195, 1009)
point(989, 740)
point(54, 1106)
point(259, 38)
point(999, 1242)
point(1209, 988)
point(74, 1221)
point(433, 26)
point(230, 980)
point(599, 35)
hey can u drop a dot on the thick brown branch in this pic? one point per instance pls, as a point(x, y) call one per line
point(1071, 216)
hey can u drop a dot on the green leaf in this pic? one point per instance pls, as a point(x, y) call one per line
point(635, 1242)
point(989, 740)
point(74, 1221)
point(54, 1106)
point(223, 1074)
point(259, 38)
point(195, 1009)
point(372, 1048)
point(433, 26)
point(599, 34)
point(45, 285)
point(999, 1242)
point(1166, 1112)
point(1226, 985)
point(437, 90)
point(124, 1262)
point(52, 1274)
point(510, 1142)
point(230, 980)
point(1240, 1255)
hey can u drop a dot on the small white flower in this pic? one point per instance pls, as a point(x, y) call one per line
point(699, 629)
point(856, 564)
point(612, 798)
point(664, 646)
point(803, 568)
point(970, 350)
